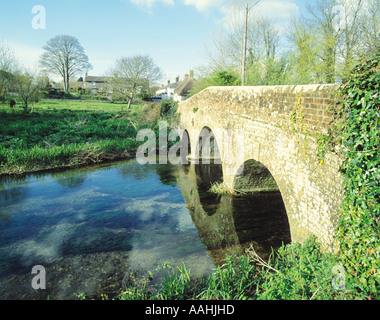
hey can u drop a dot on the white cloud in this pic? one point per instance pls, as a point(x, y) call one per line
point(149, 3)
point(271, 8)
point(204, 5)
point(278, 9)
point(279, 12)
point(200, 5)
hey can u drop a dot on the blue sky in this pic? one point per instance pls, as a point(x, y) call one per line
point(173, 32)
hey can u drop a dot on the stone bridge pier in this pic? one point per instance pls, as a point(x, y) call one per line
point(276, 127)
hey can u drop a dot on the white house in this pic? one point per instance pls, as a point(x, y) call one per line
point(179, 90)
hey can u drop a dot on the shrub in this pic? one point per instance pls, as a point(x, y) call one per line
point(217, 78)
point(150, 114)
point(298, 272)
point(168, 108)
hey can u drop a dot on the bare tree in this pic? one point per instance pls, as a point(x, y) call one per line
point(371, 26)
point(130, 75)
point(351, 45)
point(28, 87)
point(228, 44)
point(8, 66)
point(303, 53)
point(322, 22)
point(64, 56)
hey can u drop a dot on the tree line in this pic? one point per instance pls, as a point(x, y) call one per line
point(64, 56)
point(321, 45)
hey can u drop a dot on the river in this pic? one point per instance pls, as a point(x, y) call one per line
point(95, 230)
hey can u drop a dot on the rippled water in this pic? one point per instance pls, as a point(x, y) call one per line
point(99, 228)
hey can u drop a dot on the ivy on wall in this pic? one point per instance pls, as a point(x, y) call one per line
point(358, 231)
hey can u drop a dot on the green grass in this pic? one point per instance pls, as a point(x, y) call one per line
point(79, 105)
point(220, 188)
point(65, 133)
point(294, 272)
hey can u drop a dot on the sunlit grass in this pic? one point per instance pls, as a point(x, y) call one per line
point(294, 272)
point(65, 133)
point(220, 188)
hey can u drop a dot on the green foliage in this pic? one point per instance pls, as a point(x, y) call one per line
point(359, 225)
point(168, 108)
point(298, 272)
point(224, 78)
point(217, 78)
point(64, 137)
point(324, 144)
point(176, 282)
point(220, 188)
point(294, 272)
point(233, 280)
point(28, 89)
point(268, 72)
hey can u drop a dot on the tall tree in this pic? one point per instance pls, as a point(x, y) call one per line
point(64, 55)
point(303, 53)
point(351, 45)
point(130, 75)
point(371, 27)
point(262, 44)
point(322, 22)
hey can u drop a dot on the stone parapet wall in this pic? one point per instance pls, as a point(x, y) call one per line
point(279, 126)
point(278, 105)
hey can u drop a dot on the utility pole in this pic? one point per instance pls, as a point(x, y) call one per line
point(244, 46)
point(244, 58)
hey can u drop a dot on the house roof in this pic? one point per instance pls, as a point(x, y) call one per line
point(181, 87)
point(185, 86)
point(174, 85)
point(75, 84)
point(95, 79)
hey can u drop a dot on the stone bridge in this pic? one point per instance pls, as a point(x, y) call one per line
point(276, 128)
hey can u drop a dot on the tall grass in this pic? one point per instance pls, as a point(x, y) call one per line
point(65, 134)
point(294, 272)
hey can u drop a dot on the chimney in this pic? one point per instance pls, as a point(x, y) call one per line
point(191, 74)
point(168, 82)
point(186, 76)
point(177, 79)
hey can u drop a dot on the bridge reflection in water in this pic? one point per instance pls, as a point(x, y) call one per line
point(228, 225)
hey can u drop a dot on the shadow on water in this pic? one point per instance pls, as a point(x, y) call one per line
point(99, 228)
point(206, 175)
point(229, 225)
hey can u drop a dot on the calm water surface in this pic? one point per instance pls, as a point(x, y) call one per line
point(97, 229)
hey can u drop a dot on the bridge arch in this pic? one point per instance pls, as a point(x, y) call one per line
point(280, 126)
point(254, 177)
point(207, 146)
point(186, 143)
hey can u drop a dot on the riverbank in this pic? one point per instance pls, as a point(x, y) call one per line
point(65, 134)
point(294, 272)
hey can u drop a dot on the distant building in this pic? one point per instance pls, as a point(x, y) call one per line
point(179, 90)
point(93, 84)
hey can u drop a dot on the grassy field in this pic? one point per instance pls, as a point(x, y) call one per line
point(82, 105)
point(66, 133)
